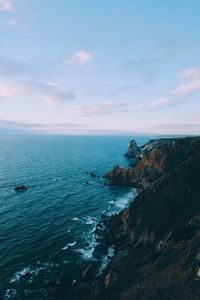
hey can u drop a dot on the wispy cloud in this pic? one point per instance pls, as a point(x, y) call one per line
point(162, 102)
point(12, 23)
point(190, 84)
point(6, 5)
point(46, 92)
point(101, 108)
point(189, 74)
point(79, 58)
point(105, 108)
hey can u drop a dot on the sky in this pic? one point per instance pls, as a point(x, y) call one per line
point(100, 67)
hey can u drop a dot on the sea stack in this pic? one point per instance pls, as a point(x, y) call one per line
point(132, 149)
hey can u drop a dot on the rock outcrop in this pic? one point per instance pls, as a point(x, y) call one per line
point(156, 239)
point(157, 158)
point(133, 150)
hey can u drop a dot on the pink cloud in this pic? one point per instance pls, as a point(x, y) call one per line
point(190, 83)
point(162, 102)
point(187, 88)
point(106, 108)
point(6, 5)
point(81, 57)
point(46, 92)
point(190, 74)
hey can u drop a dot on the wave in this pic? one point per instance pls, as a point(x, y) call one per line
point(69, 245)
point(91, 240)
point(76, 219)
point(90, 220)
point(87, 253)
point(10, 293)
point(106, 259)
point(123, 202)
point(20, 274)
point(29, 273)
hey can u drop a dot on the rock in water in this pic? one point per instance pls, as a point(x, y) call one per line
point(20, 188)
point(132, 149)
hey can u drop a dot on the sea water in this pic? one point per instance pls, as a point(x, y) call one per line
point(50, 228)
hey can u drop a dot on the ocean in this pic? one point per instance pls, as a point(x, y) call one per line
point(51, 227)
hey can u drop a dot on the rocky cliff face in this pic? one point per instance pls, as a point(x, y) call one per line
point(157, 239)
point(156, 158)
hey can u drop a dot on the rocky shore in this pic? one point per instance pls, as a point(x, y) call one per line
point(154, 244)
point(156, 239)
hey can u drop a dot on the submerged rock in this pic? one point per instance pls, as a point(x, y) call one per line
point(20, 188)
point(92, 174)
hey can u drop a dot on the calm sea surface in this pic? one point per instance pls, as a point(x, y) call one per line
point(50, 227)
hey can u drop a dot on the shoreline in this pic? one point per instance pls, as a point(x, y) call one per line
point(137, 235)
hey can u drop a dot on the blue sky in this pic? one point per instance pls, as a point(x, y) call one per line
point(109, 66)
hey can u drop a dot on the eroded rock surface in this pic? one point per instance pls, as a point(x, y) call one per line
point(156, 239)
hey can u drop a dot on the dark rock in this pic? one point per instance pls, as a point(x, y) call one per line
point(92, 174)
point(133, 150)
point(88, 272)
point(20, 188)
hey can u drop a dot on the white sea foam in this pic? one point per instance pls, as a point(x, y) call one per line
point(90, 220)
point(124, 201)
point(10, 293)
point(106, 259)
point(66, 247)
point(31, 272)
point(20, 274)
point(76, 219)
point(121, 203)
point(87, 252)
point(69, 245)
point(72, 244)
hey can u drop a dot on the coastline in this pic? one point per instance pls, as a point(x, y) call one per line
point(148, 250)
point(141, 237)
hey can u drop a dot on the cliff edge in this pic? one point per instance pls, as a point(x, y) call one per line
point(156, 239)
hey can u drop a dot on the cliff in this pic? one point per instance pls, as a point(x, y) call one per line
point(157, 239)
